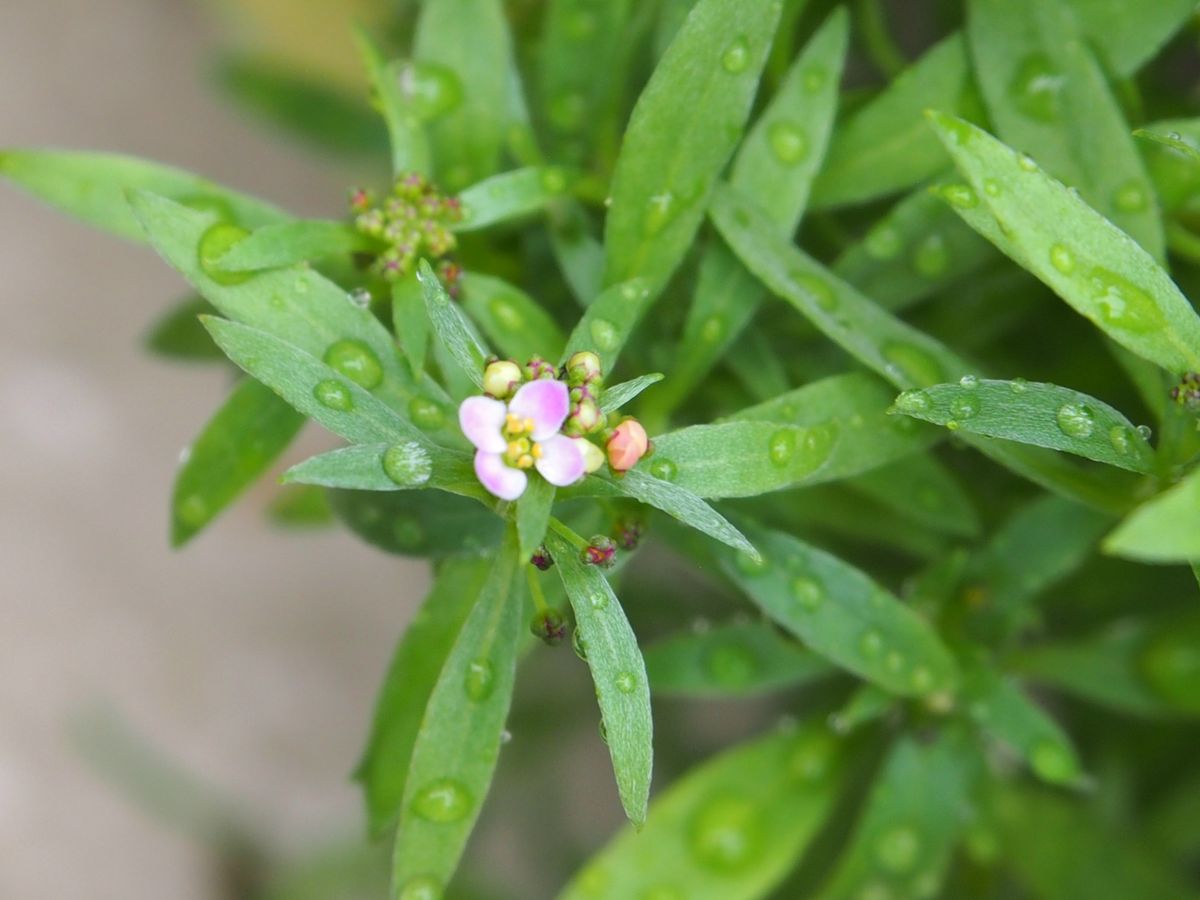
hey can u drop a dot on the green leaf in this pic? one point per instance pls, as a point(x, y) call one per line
point(1164, 529)
point(1000, 708)
point(94, 187)
point(237, 445)
point(685, 126)
point(463, 57)
point(730, 829)
point(295, 103)
point(404, 694)
point(735, 660)
point(579, 254)
point(419, 523)
point(451, 326)
point(618, 395)
point(533, 514)
point(178, 335)
point(883, 148)
point(775, 167)
point(1099, 270)
point(622, 689)
point(455, 751)
point(300, 307)
point(403, 466)
point(300, 506)
point(608, 321)
point(511, 195)
point(410, 321)
point(754, 362)
point(1172, 139)
point(289, 243)
point(511, 319)
point(408, 142)
point(1047, 95)
point(1127, 35)
point(1044, 415)
point(920, 488)
point(840, 613)
point(311, 387)
point(913, 819)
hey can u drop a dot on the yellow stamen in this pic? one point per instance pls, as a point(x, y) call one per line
point(529, 426)
point(537, 451)
point(525, 462)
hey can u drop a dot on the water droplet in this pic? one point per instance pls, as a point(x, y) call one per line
point(554, 180)
point(871, 644)
point(480, 680)
point(960, 195)
point(1075, 420)
point(505, 737)
point(333, 395)
point(1145, 432)
point(1053, 762)
point(443, 801)
point(788, 141)
point(809, 593)
point(1026, 162)
point(883, 242)
point(991, 187)
point(1121, 439)
point(432, 90)
point(360, 297)
point(1131, 197)
point(407, 464)
point(356, 361)
point(914, 363)
point(578, 645)
point(713, 329)
point(815, 290)
point(1018, 385)
point(931, 257)
point(423, 887)
point(964, 406)
point(782, 446)
point(894, 661)
point(898, 848)
point(969, 381)
point(922, 680)
point(506, 314)
point(913, 402)
point(809, 762)
point(598, 600)
point(736, 57)
point(664, 469)
point(1035, 87)
point(604, 333)
point(192, 511)
point(216, 241)
point(749, 565)
point(425, 413)
point(724, 834)
point(1123, 304)
point(1062, 259)
point(626, 682)
point(731, 664)
point(814, 79)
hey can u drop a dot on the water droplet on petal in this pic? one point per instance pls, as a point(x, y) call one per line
point(333, 395)
point(442, 801)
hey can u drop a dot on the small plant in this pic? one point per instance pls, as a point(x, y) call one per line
point(981, 690)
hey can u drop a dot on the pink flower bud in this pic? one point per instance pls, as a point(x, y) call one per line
point(627, 445)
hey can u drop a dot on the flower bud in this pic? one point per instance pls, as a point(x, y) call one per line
point(627, 445)
point(584, 418)
point(628, 533)
point(593, 456)
point(537, 368)
point(583, 368)
point(600, 551)
point(549, 626)
point(541, 559)
point(500, 378)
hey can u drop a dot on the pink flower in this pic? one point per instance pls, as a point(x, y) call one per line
point(522, 434)
point(627, 445)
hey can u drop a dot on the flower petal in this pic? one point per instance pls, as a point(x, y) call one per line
point(481, 419)
point(561, 462)
point(546, 401)
point(499, 478)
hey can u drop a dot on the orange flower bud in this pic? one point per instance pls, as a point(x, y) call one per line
point(627, 445)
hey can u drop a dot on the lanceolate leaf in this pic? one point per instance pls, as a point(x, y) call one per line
point(511, 195)
point(618, 395)
point(410, 680)
point(1085, 259)
point(429, 524)
point(608, 321)
point(288, 243)
point(511, 319)
point(921, 488)
point(93, 187)
point(1129, 34)
point(407, 465)
point(237, 445)
point(729, 830)
point(686, 124)
point(451, 327)
point(410, 321)
point(409, 145)
point(455, 751)
point(840, 613)
point(1164, 529)
point(179, 336)
point(733, 660)
point(1044, 415)
point(622, 689)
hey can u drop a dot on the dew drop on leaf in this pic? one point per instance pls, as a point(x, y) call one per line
point(1075, 420)
point(443, 801)
point(1062, 259)
point(809, 593)
point(931, 257)
point(731, 664)
point(422, 887)
point(1131, 197)
point(432, 90)
point(969, 381)
point(333, 395)
point(426, 413)
point(724, 834)
point(480, 680)
point(964, 407)
point(750, 566)
point(1052, 761)
point(713, 329)
point(898, 848)
point(408, 464)
point(192, 511)
point(664, 469)
point(816, 290)
point(913, 402)
point(781, 446)
point(814, 79)
point(599, 600)
point(736, 56)
point(788, 141)
point(960, 195)
point(604, 333)
point(356, 361)
point(883, 242)
point(871, 644)
point(991, 187)
point(626, 682)
point(216, 241)
point(1036, 86)
point(915, 364)
point(1121, 439)
point(1123, 304)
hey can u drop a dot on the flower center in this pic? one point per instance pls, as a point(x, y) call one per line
point(522, 450)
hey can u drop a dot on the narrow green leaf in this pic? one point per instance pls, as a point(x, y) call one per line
point(300, 307)
point(533, 515)
point(608, 321)
point(419, 523)
point(914, 817)
point(999, 707)
point(920, 488)
point(618, 395)
point(511, 319)
point(882, 148)
point(408, 142)
point(298, 105)
point(300, 506)
point(178, 334)
point(1172, 139)
point(238, 444)
point(511, 195)
point(289, 243)
point(1099, 270)
point(1171, 148)
point(775, 167)
point(685, 126)
point(1128, 35)
point(1044, 415)
point(93, 187)
point(311, 387)
point(733, 660)
point(1165, 529)
point(410, 321)
point(404, 466)
point(840, 613)
point(1047, 95)
point(618, 671)
point(866, 705)
point(753, 361)
point(451, 327)
point(730, 829)
point(579, 254)
point(404, 694)
point(463, 58)
point(455, 751)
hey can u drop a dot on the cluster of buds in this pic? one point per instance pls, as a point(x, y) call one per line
point(628, 532)
point(413, 221)
point(1187, 392)
point(600, 551)
point(549, 626)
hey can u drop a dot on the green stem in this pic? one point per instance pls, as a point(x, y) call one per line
point(877, 40)
point(535, 590)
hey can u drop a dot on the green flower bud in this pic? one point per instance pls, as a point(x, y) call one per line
point(500, 378)
point(583, 368)
point(549, 626)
